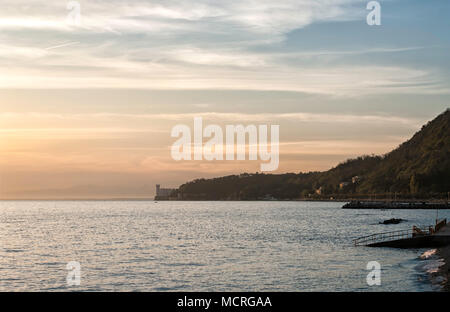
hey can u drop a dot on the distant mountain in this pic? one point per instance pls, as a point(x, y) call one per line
point(420, 167)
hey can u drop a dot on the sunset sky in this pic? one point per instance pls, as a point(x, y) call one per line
point(86, 110)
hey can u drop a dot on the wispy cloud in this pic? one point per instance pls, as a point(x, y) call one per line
point(61, 45)
point(10, 120)
point(182, 44)
point(252, 15)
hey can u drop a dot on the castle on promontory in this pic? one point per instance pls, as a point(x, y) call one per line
point(164, 193)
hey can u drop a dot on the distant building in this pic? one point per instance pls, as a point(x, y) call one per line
point(163, 193)
point(343, 185)
point(356, 179)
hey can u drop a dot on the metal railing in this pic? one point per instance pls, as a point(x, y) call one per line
point(394, 235)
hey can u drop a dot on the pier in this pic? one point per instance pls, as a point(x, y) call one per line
point(427, 237)
point(360, 204)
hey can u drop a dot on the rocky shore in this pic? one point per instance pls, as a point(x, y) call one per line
point(442, 275)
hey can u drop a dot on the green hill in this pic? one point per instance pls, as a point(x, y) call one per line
point(420, 167)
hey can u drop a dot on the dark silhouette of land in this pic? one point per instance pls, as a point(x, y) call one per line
point(418, 168)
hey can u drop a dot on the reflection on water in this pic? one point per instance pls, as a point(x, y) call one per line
point(201, 246)
point(427, 254)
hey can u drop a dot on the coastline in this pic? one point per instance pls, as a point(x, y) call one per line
point(442, 275)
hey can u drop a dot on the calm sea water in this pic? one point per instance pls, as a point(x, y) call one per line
point(202, 246)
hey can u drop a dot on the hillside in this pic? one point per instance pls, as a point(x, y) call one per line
point(420, 167)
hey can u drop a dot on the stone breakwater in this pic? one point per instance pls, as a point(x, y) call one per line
point(356, 204)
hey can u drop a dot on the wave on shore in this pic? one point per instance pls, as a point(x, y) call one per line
point(435, 265)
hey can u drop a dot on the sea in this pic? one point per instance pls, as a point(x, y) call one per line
point(205, 246)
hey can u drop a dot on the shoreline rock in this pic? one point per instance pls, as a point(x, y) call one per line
point(442, 276)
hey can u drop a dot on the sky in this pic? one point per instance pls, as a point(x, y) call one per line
point(88, 101)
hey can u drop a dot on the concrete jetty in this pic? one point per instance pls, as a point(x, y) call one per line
point(428, 237)
point(361, 204)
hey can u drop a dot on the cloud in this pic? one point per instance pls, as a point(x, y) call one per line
point(119, 122)
point(79, 65)
point(181, 44)
point(137, 15)
point(61, 45)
